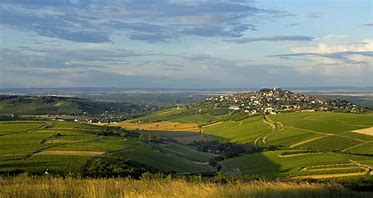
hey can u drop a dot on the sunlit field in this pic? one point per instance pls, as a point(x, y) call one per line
point(24, 186)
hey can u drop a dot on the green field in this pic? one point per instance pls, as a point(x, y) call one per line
point(54, 105)
point(244, 131)
point(168, 158)
point(314, 145)
point(63, 147)
point(317, 139)
point(327, 135)
point(178, 115)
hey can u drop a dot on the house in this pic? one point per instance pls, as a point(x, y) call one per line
point(234, 107)
point(268, 110)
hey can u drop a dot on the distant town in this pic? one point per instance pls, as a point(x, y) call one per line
point(273, 101)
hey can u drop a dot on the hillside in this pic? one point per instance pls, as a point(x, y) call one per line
point(61, 148)
point(277, 100)
point(239, 106)
point(306, 142)
point(199, 140)
point(56, 105)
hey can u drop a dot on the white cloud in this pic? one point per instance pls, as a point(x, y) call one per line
point(364, 46)
point(332, 37)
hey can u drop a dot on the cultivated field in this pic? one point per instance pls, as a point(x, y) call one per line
point(366, 131)
point(66, 147)
point(159, 126)
point(177, 115)
point(313, 144)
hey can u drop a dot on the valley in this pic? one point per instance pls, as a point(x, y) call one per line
point(203, 140)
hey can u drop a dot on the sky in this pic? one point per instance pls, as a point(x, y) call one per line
point(186, 43)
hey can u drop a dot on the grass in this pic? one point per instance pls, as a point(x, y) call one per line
point(322, 136)
point(177, 115)
point(189, 153)
point(29, 147)
point(311, 140)
point(244, 131)
point(271, 164)
point(43, 187)
point(325, 122)
point(289, 136)
point(365, 148)
point(14, 127)
point(329, 143)
point(161, 158)
point(63, 147)
point(335, 130)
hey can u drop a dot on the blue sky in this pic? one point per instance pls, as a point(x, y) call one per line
point(186, 43)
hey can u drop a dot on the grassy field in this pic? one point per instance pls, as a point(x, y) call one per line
point(64, 147)
point(69, 187)
point(183, 137)
point(165, 157)
point(322, 138)
point(314, 138)
point(273, 164)
point(323, 131)
point(56, 146)
point(306, 145)
point(177, 115)
point(244, 131)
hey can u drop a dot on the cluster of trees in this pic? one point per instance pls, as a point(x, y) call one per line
point(226, 150)
point(104, 167)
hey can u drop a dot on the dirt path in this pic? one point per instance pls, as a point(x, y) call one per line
point(29, 130)
point(325, 176)
point(347, 123)
point(71, 153)
point(261, 140)
point(306, 141)
point(354, 146)
point(38, 128)
point(365, 170)
point(322, 133)
point(212, 124)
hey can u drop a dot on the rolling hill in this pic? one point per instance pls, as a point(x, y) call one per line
point(302, 143)
point(58, 105)
point(70, 147)
point(198, 140)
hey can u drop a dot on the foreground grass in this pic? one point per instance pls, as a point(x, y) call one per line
point(25, 186)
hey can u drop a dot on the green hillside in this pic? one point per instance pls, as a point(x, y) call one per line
point(56, 105)
point(295, 145)
point(305, 144)
point(64, 147)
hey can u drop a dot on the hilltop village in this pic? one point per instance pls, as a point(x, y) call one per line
point(273, 101)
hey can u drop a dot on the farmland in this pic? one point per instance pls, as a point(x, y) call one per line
point(295, 146)
point(159, 126)
point(67, 147)
point(308, 144)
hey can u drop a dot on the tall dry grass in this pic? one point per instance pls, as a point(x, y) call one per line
point(41, 187)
